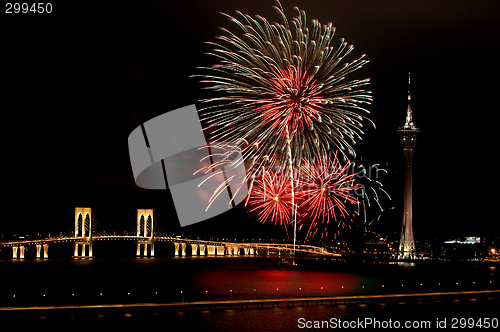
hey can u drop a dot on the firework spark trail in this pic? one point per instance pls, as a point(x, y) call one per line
point(372, 193)
point(223, 157)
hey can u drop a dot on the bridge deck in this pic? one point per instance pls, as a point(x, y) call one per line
point(307, 249)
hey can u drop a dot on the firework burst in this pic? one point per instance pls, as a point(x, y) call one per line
point(271, 198)
point(327, 187)
point(284, 86)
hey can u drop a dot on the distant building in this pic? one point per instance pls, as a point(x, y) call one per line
point(377, 247)
point(462, 249)
point(466, 240)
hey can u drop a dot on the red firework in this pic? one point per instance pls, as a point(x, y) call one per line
point(323, 190)
point(326, 187)
point(271, 196)
point(295, 101)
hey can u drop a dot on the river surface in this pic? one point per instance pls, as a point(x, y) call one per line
point(54, 282)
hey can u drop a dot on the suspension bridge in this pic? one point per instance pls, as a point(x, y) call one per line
point(145, 235)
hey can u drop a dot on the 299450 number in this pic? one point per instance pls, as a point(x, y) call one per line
point(25, 8)
point(486, 323)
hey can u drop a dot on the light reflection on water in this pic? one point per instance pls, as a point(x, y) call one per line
point(244, 284)
point(163, 280)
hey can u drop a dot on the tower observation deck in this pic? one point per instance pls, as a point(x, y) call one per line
point(408, 139)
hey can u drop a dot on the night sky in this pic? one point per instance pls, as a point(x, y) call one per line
point(75, 83)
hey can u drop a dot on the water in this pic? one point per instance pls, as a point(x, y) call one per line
point(161, 280)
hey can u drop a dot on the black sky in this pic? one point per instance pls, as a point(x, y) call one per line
point(76, 82)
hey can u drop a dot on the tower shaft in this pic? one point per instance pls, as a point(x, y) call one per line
point(407, 241)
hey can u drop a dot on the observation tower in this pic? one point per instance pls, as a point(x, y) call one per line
point(408, 139)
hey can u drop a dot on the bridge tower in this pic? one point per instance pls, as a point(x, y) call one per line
point(145, 230)
point(18, 252)
point(45, 250)
point(83, 232)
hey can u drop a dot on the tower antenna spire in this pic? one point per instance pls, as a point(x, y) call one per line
point(409, 82)
point(409, 125)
